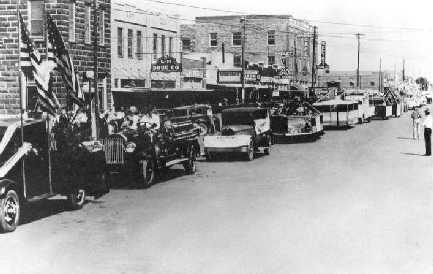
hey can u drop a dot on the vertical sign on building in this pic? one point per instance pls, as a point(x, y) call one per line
point(322, 53)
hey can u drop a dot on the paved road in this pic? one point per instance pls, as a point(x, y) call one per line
point(356, 201)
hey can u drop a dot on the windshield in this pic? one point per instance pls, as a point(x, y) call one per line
point(242, 118)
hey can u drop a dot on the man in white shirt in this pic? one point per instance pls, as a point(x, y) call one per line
point(428, 125)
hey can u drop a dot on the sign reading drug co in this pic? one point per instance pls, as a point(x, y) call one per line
point(166, 64)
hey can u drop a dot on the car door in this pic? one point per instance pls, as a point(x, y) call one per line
point(37, 171)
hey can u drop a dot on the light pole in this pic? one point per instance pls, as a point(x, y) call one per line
point(243, 21)
point(358, 37)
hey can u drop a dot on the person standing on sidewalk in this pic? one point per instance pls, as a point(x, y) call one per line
point(428, 124)
point(416, 123)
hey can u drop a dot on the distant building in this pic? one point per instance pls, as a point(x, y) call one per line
point(140, 39)
point(347, 79)
point(74, 19)
point(279, 41)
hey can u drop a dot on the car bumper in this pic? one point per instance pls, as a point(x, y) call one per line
point(242, 149)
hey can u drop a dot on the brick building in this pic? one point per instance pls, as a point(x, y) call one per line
point(74, 19)
point(271, 40)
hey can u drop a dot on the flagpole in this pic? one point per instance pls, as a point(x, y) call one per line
point(21, 95)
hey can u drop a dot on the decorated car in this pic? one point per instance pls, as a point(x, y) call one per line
point(338, 113)
point(142, 152)
point(38, 163)
point(244, 130)
point(200, 115)
point(365, 109)
point(299, 121)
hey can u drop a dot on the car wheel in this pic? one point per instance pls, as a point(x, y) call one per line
point(267, 149)
point(76, 200)
point(10, 211)
point(204, 129)
point(250, 152)
point(189, 165)
point(147, 173)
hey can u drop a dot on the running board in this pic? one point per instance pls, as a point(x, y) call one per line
point(175, 162)
point(41, 197)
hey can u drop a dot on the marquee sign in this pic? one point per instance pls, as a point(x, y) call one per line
point(166, 64)
point(234, 76)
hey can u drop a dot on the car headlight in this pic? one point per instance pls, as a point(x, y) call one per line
point(130, 147)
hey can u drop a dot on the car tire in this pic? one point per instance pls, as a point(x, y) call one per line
point(250, 151)
point(9, 211)
point(76, 200)
point(189, 166)
point(204, 129)
point(147, 173)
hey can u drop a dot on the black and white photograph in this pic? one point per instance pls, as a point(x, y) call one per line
point(216, 137)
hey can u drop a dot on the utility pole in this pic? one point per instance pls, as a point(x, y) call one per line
point(95, 67)
point(380, 75)
point(243, 20)
point(358, 37)
point(313, 67)
point(403, 72)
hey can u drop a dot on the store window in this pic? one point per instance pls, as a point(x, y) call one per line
point(155, 46)
point(237, 60)
point(271, 60)
point(36, 11)
point(71, 26)
point(139, 50)
point(130, 37)
point(213, 39)
point(120, 42)
point(237, 38)
point(186, 44)
point(271, 37)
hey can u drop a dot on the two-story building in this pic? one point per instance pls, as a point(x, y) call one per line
point(75, 21)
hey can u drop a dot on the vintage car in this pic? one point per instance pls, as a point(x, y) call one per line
point(144, 151)
point(35, 167)
point(201, 115)
point(338, 113)
point(382, 108)
point(244, 130)
point(365, 109)
point(299, 122)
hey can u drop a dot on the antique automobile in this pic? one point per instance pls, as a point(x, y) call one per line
point(201, 115)
point(338, 113)
point(297, 122)
point(382, 108)
point(35, 168)
point(365, 110)
point(144, 151)
point(244, 130)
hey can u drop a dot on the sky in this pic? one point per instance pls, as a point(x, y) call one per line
point(393, 29)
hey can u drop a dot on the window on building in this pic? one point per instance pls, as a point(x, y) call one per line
point(162, 45)
point(101, 28)
point(352, 84)
point(271, 37)
point(271, 60)
point(120, 42)
point(155, 46)
point(116, 83)
point(237, 60)
point(170, 46)
point(213, 39)
point(237, 38)
point(87, 24)
point(130, 36)
point(186, 44)
point(139, 50)
point(36, 11)
point(71, 26)
point(372, 83)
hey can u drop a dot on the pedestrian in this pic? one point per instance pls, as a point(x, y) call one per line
point(428, 124)
point(416, 123)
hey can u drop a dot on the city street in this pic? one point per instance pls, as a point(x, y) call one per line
point(355, 201)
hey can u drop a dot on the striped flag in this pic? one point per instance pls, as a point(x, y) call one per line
point(58, 53)
point(32, 64)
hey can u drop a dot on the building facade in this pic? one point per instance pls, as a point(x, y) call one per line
point(347, 79)
point(75, 21)
point(141, 39)
point(279, 41)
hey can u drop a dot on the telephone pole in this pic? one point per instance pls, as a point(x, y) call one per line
point(404, 72)
point(95, 69)
point(358, 37)
point(313, 67)
point(243, 21)
point(380, 75)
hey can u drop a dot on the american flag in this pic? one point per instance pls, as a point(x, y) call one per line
point(32, 64)
point(58, 53)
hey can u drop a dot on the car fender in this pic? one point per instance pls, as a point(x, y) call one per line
point(6, 184)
